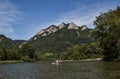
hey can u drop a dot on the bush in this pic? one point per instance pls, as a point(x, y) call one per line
point(25, 58)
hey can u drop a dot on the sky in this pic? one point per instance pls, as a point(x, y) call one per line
point(22, 19)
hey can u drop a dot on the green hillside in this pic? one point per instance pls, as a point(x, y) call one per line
point(18, 42)
point(59, 41)
point(6, 42)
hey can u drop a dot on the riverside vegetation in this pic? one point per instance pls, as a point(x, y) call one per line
point(71, 44)
point(24, 53)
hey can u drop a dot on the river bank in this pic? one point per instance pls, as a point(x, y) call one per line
point(19, 61)
point(10, 61)
point(87, 60)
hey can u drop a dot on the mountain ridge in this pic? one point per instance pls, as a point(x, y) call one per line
point(56, 39)
point(54, 28)
point(6, 42)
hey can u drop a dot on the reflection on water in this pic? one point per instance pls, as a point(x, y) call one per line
point(71, 70)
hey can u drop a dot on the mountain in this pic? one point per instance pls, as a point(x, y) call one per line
point(56, 39)
point(6, 42)
point(9, 43)
point(19, 42)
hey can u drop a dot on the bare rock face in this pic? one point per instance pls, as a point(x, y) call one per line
point(72, 26)
point(54, 28)
point(35, 38)
point(47, 31)
point(51, 29)
point(83, 27)
point(39, 33)
point(62, 25)
point(44, 34)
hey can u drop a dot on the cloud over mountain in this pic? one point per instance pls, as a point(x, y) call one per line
point(9, 14)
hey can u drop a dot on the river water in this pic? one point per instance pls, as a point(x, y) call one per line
point(70, 70)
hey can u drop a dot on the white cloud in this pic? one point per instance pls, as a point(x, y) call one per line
point(84, 14)
point(9, 14)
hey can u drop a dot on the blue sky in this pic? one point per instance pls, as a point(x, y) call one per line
point(22, 19)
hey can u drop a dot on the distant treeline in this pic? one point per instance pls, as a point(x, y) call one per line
point(25, 52)
point(77, 52)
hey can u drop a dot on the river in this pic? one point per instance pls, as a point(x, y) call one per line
point(69, 70)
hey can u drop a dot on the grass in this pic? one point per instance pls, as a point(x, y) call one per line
point(10, 61)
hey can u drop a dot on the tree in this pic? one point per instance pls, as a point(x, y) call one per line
point(93, 50)
point(48, 56)
point(4, 53)
point(74, 53)
point(25, 58)
point(1, 54)
point(15, 54)
point(107, 31)
point(27, 50)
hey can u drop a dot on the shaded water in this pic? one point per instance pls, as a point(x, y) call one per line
point(71, 70)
